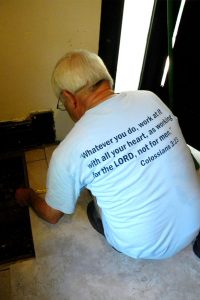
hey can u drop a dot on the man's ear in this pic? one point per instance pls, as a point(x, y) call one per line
point(71, 99)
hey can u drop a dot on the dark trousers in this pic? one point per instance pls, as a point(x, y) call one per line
point(196, 246)
point(94, 218)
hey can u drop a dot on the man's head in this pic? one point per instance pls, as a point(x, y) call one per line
point(78, 69)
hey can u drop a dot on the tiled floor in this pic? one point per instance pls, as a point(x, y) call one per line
point(74, 262)
point(37, 165)
point(5, 291)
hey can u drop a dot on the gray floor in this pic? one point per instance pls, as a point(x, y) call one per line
point(74, 262)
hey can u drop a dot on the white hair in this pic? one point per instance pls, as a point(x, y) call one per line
point(78, 69)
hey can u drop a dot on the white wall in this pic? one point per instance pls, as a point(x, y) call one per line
point(34, 34)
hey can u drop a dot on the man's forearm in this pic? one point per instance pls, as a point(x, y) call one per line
point(27, 196)
point(43, 210)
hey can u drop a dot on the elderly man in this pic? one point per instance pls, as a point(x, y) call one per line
point(129, 151)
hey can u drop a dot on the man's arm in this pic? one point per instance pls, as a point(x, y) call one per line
point(28, 197)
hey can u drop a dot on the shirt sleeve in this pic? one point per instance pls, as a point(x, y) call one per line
point(63, 189)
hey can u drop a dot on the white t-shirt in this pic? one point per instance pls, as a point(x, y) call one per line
point(130, 153)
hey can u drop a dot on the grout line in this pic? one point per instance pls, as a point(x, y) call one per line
point(41, 191)
point(46, 157)
point(3, 270)
point(32, 161)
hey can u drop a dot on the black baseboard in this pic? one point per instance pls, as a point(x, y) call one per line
point(37, 130)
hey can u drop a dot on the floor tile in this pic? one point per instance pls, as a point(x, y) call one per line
point(48, 152)
point(5, 284)
point(37, 172)
point(36, 154)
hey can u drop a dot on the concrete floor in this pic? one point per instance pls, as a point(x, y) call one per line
point(74, 262)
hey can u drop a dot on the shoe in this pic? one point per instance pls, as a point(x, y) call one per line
point(94, 218)
point(196, 246)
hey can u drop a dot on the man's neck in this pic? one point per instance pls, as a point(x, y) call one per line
point(102, 93)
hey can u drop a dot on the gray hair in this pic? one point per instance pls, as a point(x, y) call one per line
point(78, 69)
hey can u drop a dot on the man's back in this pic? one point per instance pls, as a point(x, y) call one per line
point(130, 152)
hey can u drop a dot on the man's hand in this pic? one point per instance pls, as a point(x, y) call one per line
point(28, 197)
point(23, 196)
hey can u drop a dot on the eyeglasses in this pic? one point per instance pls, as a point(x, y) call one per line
point(60, 104)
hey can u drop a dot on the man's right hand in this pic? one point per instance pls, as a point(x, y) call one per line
point(23, 196)
point(28, 197)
